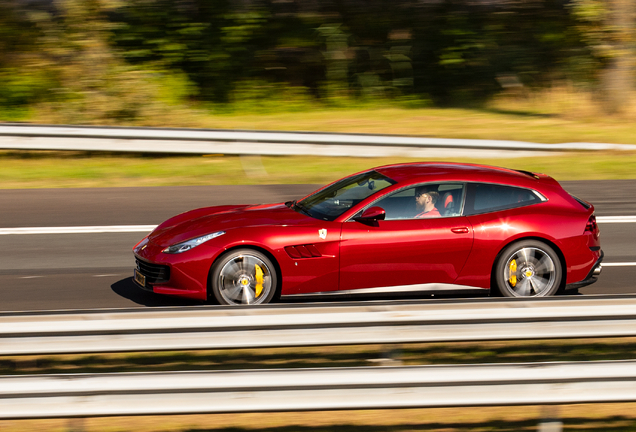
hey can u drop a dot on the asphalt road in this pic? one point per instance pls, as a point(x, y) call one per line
point(86, 271)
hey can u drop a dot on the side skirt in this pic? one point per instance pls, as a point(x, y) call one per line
point(404, 289)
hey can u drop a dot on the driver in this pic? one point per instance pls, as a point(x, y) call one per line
point(425, 200)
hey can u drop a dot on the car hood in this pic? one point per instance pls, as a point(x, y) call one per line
point(199, 222)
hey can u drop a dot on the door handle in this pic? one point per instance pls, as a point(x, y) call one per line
point(462, 230)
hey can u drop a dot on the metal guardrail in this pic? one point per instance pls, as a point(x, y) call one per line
point(83, 395)
point(280, 326)
point(315, 389)
point(203, 141)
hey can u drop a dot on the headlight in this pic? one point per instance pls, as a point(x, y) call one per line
point(187, 245)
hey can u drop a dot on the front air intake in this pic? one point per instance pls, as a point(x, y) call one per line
point(154, 273)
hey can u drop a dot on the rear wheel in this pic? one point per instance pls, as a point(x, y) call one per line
point(243, 277)
point(528, 269)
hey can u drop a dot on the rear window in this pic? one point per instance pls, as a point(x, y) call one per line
point(491, 197)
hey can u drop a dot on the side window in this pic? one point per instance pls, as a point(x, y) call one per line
point(424, 201)
point(492, 197)
point(451, 198)
point(400, 205)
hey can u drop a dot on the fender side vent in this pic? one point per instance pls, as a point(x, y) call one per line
point(302, 251)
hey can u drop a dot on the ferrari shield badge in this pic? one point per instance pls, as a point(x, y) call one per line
point(322, 233)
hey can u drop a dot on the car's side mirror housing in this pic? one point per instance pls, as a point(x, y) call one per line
point(372, 214)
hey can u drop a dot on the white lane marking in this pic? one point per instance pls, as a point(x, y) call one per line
point(616, 219)
point(78, 230)
point(31, 277)
point(624, 264)
point(148, 228)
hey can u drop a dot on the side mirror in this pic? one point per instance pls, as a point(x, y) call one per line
point(372, 214)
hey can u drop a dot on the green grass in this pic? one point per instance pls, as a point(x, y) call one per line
point(336, 356)
point(522, 121)
point(588, 418)
point(60, 170)
point(506, 124)
point(565, 120)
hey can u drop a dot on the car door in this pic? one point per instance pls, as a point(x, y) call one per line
point(494, 210)
point(404, 251)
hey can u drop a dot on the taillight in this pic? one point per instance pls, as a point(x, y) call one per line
point(591, 224)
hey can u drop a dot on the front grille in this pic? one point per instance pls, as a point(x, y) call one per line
point(154, 273)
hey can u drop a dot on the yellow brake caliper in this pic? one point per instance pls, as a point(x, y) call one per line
point(513, 270)
point(259, 279)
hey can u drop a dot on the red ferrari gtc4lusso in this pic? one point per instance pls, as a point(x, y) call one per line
point(397, 228)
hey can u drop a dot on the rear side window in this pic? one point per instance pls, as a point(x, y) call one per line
point(491, 197)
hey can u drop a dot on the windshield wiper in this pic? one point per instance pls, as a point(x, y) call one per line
point(294, 205)
point(301, 207)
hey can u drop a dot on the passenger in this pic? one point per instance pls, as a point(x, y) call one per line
point(425, 200)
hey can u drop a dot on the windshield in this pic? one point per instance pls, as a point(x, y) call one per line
point(336, 199)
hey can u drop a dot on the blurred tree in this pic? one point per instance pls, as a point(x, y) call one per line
point(109, 60)
point(88, 81)
point(336, 47)
point(16, 36)
point(208, 40)
point(20, 85)
point(463, 47)
point(608, 28)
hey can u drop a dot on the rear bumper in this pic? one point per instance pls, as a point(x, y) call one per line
point(591, 277)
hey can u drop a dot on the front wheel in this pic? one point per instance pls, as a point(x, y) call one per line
point(528, 269)
point(243, 277)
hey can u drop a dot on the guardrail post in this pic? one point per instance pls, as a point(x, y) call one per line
point(550, 420)
point(76, 424)
point(391, 356)
point(550, 426)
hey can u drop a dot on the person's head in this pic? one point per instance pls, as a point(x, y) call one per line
point(426, 197)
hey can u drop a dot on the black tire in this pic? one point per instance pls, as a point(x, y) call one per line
point(235, 278)
point(528, 268)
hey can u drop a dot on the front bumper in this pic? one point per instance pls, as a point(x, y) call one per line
point(182, 276)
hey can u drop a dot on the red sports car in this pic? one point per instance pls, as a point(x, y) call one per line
point(397, 228)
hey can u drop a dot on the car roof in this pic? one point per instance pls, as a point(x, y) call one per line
point(440, 171)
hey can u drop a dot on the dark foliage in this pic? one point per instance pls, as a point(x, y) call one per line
point(458, 52)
